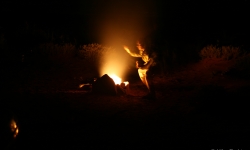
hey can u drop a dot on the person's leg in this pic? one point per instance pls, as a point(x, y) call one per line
point(143, 76)
point(149, 78)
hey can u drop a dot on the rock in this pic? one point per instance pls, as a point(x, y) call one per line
point(105, 86)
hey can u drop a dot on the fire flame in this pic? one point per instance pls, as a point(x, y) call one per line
point(116, 79)
point(126, 83)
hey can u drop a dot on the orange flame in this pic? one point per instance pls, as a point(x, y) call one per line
point(116, 79)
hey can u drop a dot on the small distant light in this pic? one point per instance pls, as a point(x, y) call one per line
point(81, 85)
point(14, 128)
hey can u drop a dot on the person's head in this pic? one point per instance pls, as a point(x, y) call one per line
point(140, 47)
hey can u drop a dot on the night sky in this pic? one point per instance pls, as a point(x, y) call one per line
point(99, 20)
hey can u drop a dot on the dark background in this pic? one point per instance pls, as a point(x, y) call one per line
point(172, 20)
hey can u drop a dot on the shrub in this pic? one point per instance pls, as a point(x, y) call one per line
point(59, 54)
point(224, 52)
point(94, 53)
point(56, 53)
point(229, 52)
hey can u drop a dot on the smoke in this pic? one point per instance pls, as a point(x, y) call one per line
point(122, 23)
point(118, 22)
point(115, 62)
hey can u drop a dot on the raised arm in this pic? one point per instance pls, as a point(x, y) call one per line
point(130, 53)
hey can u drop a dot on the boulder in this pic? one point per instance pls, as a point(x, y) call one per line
point(104, 85)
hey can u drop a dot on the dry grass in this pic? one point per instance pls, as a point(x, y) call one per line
point(94, 53)
point(91, 54)
point(56, 53)
point(224, 52)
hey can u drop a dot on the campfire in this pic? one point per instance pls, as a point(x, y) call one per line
point(111, 72)
point(121, 86)
point(108, 83)
point(118, 80)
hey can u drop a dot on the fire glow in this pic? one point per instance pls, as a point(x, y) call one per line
point(117, 79)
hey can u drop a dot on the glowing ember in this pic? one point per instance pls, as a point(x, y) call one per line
point(126, 83)
point(116, 79)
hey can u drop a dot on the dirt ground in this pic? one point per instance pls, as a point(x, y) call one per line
point(203, 105)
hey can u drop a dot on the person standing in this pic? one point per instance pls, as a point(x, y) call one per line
point(143, 70)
